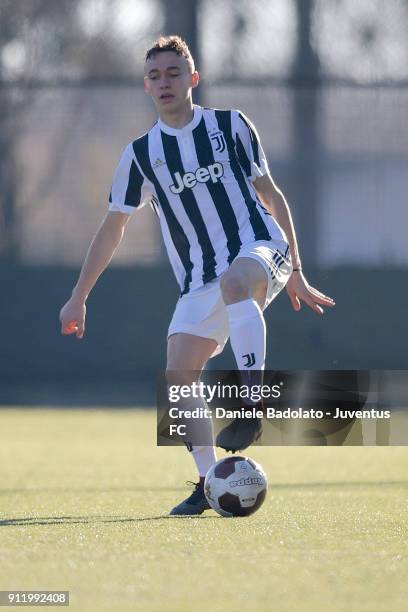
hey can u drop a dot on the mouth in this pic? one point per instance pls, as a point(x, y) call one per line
point(166, 97)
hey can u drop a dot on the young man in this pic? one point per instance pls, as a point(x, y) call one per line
point(227, 229)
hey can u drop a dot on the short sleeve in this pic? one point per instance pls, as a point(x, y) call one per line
point(130, 189)
point(251, 156)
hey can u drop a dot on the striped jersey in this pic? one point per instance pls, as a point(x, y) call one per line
point(199, 181)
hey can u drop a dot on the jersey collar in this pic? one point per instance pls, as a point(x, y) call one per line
point(198, 113)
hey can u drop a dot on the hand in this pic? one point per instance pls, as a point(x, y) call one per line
point(72, 317)
point(299, 290)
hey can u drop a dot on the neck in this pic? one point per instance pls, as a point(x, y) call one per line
point(180, 117)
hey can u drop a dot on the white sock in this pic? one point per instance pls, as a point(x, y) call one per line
point(248, 341)
point(247, 334)
point(199, 435)
point(204, 457)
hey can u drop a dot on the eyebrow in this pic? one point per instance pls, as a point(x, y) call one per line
point(168, 68)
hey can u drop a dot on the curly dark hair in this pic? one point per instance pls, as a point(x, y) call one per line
point(171, 43)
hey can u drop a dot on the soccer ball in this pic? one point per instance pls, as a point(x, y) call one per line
point(235, 486)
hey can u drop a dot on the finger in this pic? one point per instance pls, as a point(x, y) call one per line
point(315, 306)
point(66, 331)
point(317, 292)
point(295, 301)
point(80, 331)
point(326, 299)
point(69, 328)
point(320, 297)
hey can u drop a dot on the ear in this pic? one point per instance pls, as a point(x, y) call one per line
point(195, 79)
point(146, 85)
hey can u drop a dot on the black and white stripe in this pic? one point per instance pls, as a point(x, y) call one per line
point(179, 238)
point(258, 224)
point(199, 182)
point(175, 164)
point(217, 191)
point(278, 259)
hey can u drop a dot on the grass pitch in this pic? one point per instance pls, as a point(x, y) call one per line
point(84, 497)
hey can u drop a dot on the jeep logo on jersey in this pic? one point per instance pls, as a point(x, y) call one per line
point(201, 175)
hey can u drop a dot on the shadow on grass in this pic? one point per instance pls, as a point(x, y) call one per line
point(88, 520)
point(83, 520)
point(272, 487)
point(5, 491)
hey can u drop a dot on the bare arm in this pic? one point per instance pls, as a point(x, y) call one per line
point(100, 252)
point(297, 287)
point(276, 204)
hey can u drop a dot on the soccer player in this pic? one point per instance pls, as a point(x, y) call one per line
point(227, 229)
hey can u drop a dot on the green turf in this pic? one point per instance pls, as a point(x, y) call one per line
point(83, 507)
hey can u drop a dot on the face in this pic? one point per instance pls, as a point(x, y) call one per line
point(168, 79)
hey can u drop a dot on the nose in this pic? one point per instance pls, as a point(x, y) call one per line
point(164, 81)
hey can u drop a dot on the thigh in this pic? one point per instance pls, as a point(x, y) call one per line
point(250, 278)
point(199, 322)
point(276, 266)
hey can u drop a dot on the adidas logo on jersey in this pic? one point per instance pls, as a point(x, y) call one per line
point(201, 175)
point(159, 162)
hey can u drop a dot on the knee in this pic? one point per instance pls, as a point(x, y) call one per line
point(234, 288)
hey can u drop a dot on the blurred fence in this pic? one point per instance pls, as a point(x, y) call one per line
point(326, 83)
point(73, 137)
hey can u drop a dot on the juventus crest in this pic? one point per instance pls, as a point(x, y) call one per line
point(219, 139)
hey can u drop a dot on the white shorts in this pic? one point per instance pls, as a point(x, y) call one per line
point(203, 312)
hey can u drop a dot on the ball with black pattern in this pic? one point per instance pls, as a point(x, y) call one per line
point(236, 486)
